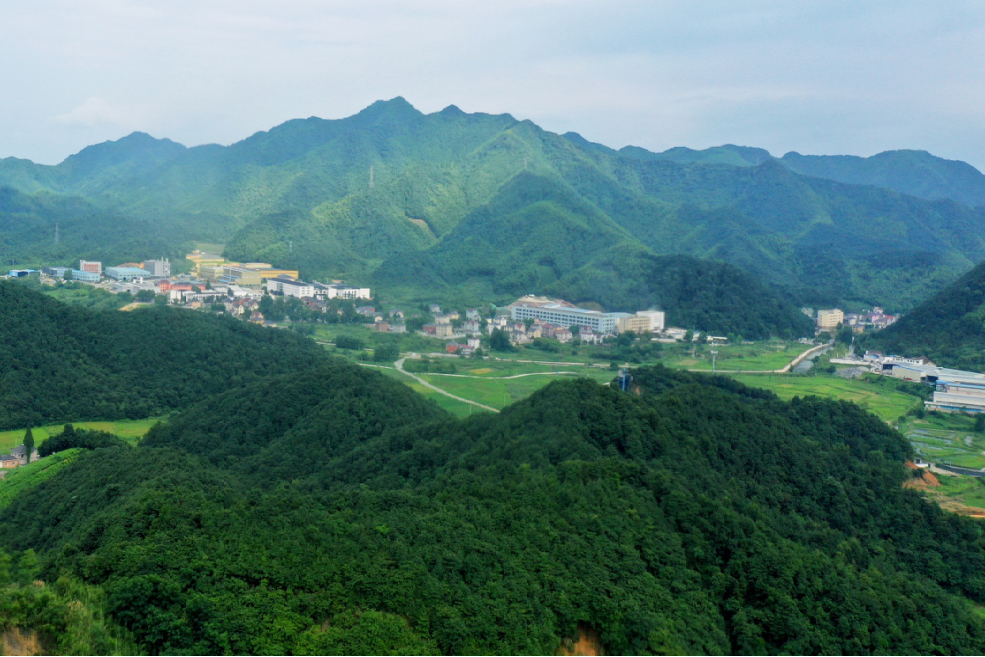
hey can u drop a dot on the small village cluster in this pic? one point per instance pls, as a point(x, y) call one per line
point(830, 319)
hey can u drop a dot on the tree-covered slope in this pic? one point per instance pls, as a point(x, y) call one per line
point(339, 514)
point(338, 198)
point(917, 173)
point(949, 327)
point(28, 225)
point(64, 363)
point(539, 235)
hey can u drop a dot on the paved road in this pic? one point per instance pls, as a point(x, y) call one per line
point(400, 368)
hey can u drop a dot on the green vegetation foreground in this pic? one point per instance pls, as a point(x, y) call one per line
point(336, 511)
point(63, 363)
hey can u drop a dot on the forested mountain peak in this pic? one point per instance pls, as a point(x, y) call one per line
point(913, 172)
point(351, 194)
point(136, 145)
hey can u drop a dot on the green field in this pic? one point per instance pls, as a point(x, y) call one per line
point(886, 404)
point(129, 429)
point(28, 476)
point(501, 392)
point(946, 438)
point(772, 355)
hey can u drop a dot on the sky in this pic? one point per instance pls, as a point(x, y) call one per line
point(828, 77)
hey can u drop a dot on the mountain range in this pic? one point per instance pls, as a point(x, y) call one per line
point(372, 196)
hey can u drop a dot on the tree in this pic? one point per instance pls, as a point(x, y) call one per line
point(980, 423)
point(688, 335)
point(68, 275)
point(28, 443)
point(500, 341)
point(145, 295)
point(28, 567)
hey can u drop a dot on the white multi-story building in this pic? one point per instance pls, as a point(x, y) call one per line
point(338, 291)
point(290, 288)
point(554, 313)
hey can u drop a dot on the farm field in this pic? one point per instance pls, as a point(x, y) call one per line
point(888, 405)
point(128, 429)
point(771, 355)
point(947, 439)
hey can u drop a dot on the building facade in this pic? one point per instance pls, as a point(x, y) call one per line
point(158, 268)
point(126, 273)
point(91, 266)
point(290, 288)
point(829, 319)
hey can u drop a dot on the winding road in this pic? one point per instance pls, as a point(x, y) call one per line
point(400, 368)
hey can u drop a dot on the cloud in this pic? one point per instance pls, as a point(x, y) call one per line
point(96, 112)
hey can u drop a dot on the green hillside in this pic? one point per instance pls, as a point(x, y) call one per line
point(917, 173)
point(339, 198)
point(538, 235)
point(949, 327)
point(337, 512)
point(65, 363)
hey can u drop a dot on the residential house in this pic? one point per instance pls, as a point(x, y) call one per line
point(472, 326)
point(474, 342)
point(381, 327)
point(434, 309)
point(256, 317)
point(452, 347)
point(472, 315)
point(563, 335)
point(9, 461)
point(398, 328)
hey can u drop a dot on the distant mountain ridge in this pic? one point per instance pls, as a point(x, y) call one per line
point(348, 197)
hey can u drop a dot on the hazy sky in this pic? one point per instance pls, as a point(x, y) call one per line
point(815, 77)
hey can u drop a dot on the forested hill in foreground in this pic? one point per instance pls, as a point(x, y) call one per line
point(949, 327)
point(537, 234)
point(336, 511)
point(350, 194)
point(64, 363)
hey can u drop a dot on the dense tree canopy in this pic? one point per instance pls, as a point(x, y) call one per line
point(339, 512)
point(949, 327)
point(64, 363)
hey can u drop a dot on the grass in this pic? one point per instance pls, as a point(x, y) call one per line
point(501, 392)
point(131, 430)
point(886, 404)
point(29, 476)
point(772, 355)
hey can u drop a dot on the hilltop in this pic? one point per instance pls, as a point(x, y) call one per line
point(62, 363)
point(336, 511)
point(949, 327)
point(341, 198)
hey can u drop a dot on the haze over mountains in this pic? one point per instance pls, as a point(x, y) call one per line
point(375, 195)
